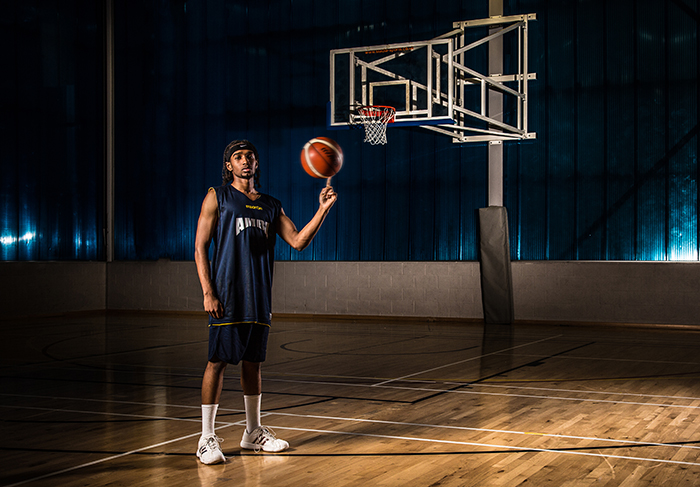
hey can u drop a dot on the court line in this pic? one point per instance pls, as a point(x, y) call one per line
point(343, 419)
point(464, 361)
point(477, 393)
point(433, 390)
point(483, 430)
point(489, 445)
point(504, 372)
point(101, 460)
point(473, 392)
point(610, 359)
point(107, 413)
point(84, 399)
point(497, 386)
point(347, 433)
point(271, 377)
point(362, 420)
point(120, 455)
point(574, 391)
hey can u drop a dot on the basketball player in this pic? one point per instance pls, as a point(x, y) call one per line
point(237, 287)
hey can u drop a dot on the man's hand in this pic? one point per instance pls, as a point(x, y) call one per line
point(213, 306)
point(327, 198)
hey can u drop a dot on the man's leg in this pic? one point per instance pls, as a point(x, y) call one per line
point(212, 383)
point(251, 382)
point(256, 437)
point(251, 378)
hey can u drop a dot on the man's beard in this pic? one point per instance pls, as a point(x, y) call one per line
point(243, 175)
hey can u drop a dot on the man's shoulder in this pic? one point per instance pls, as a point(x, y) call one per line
point(222, 188)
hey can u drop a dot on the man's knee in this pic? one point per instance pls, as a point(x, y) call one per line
point(250, 366)
point(216, 366)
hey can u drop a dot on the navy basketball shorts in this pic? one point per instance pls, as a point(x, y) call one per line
point(242, 341)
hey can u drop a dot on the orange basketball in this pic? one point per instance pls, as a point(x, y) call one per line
point(321, 157)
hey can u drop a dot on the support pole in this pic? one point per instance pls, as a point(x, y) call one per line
point(494, 246)
point(109, 130)
point(495, 109)
point(494, 260)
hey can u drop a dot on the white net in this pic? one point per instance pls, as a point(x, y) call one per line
point(375, 119)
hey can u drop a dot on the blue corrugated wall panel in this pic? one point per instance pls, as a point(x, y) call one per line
point(612, 174)
point(618, 220)
point(51, 165)
point(682, 118)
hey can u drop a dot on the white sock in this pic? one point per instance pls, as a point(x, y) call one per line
point(252, 411)
point(208, 418)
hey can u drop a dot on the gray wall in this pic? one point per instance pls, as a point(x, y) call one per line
point(554, 291)
point(45, 288)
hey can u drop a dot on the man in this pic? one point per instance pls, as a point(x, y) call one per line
point(237, 287)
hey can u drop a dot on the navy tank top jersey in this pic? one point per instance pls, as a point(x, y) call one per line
point(243, 256)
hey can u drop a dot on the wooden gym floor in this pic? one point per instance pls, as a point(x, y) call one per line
point(114, 400)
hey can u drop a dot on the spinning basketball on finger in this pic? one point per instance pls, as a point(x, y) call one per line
point(322, 158)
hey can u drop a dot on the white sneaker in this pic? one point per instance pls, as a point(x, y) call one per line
point(209, 452)
point(263, 438)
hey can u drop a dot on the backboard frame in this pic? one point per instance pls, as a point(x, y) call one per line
point(434, 94)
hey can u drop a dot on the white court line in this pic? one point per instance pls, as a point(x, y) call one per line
point(464, 361)
point(338, 418)
point(393, 437)
point(610, 359)
point(420, 389)
point(574, 391)
point(484, 430)
point(101, 460)
point(476, 393)
point(489, 445)
point(363, 420)
point(434, 381)
point(108, 401)
point(106, 413)
point(112, 457)
point(271, 377)
point(345, 419)
point(429, 390)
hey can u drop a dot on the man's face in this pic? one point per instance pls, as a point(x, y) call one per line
point(243, 164)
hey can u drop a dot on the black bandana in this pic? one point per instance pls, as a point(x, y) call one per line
point(237, 145)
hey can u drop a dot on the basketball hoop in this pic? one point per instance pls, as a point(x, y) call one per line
point(374, 119)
